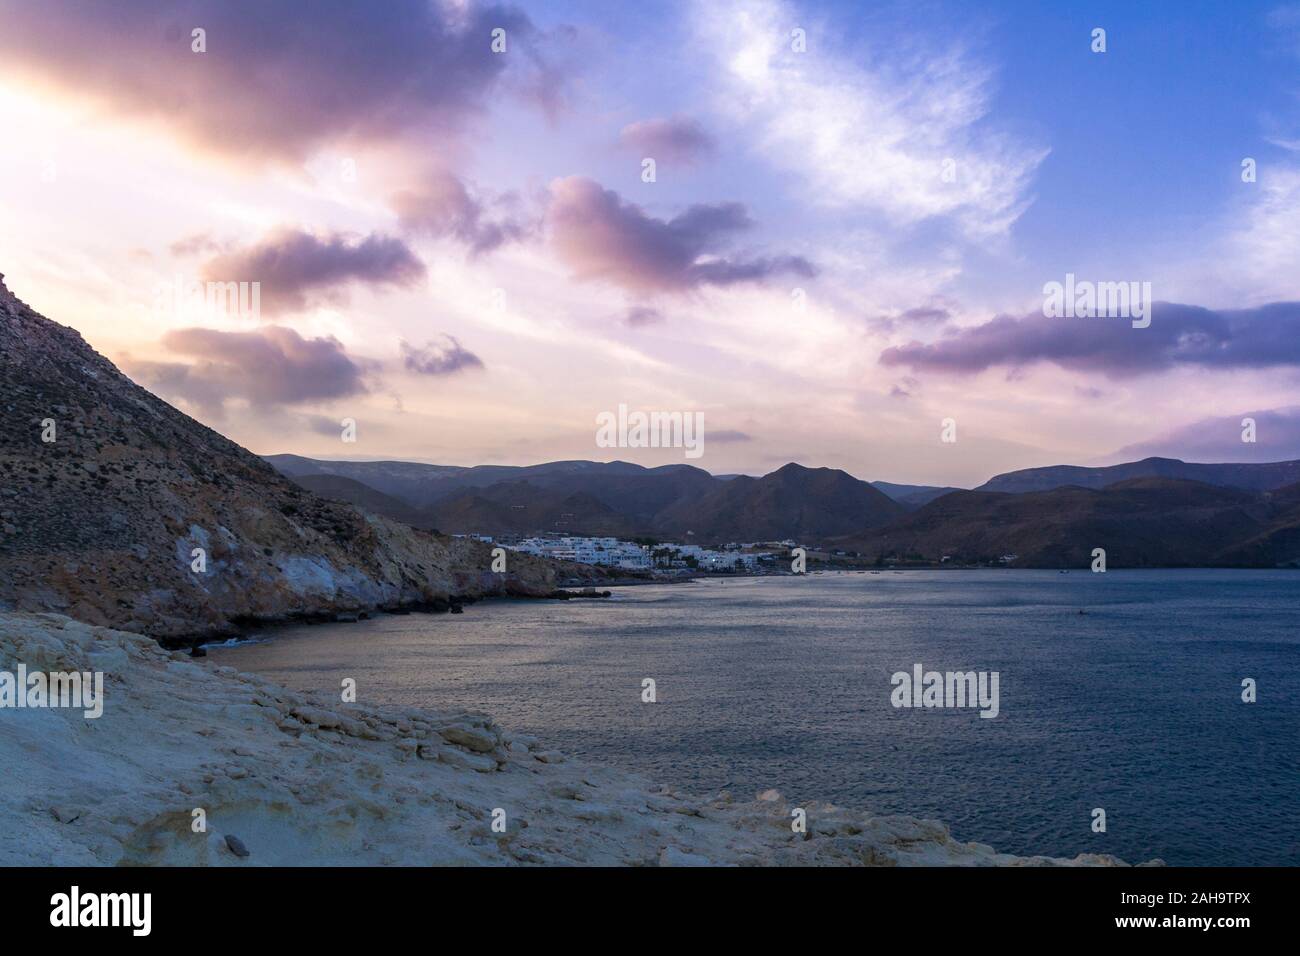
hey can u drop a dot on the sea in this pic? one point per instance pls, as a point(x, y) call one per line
point(1121, 692)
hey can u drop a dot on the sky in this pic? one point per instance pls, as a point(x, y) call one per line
point(839, 255)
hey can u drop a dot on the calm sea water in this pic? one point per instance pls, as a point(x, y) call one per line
point(1134, 706)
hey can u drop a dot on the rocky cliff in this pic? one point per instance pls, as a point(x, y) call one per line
point(107, 493)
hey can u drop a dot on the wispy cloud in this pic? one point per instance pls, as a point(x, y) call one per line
point(870, 134)
point(1263, 243)
point(198, 244)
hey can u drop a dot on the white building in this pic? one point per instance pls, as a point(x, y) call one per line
point(706, 559)
point(609, 552)
point(615, 553)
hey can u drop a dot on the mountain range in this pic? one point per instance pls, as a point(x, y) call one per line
point(1154, 512)
point(1139, 522)
point(597, 498)
point(1249, 477)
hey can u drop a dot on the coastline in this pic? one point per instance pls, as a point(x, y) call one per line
point(569, 589)
point(297, 780)
point(242, 628)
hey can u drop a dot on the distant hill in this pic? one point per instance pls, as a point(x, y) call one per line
point(804, 504)
point(519, 507)
point(1142, 522)
point(1251, 477)
point(913, 496)
point(338, 488)
point(505, 507)
point(1278, 543)
point(633, 490)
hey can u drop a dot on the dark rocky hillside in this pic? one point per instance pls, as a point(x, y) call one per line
point(338, 488)
point(1143, 522)
point(101, 523)
point(1246, 476)
point(805, 504)
point(517, 507)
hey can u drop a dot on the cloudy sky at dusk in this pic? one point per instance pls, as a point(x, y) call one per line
point(841, 247)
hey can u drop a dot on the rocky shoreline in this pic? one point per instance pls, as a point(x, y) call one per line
point(453, 604)
point(281, 778)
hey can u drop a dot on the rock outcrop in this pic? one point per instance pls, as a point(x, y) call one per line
point(108, 496)
point(282, 779)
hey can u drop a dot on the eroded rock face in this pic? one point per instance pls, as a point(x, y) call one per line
point(284, 779)
point(102, 522)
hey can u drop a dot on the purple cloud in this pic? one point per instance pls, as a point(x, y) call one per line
point(642, 315)
point(676, 139)
point(297, 269)
point(272, 366)
point(925, 314)
point(927, 317)
point(442, 206)
point(1276, 434)
point(276, 81)
point(199, 244)
point(600, 236)
point(439, 358)
point(1179, 335)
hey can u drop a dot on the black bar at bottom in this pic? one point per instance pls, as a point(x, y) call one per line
point(333, 905)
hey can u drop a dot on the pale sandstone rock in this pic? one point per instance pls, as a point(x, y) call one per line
point(466, 761)
point(318, 716)
point(471, 737)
